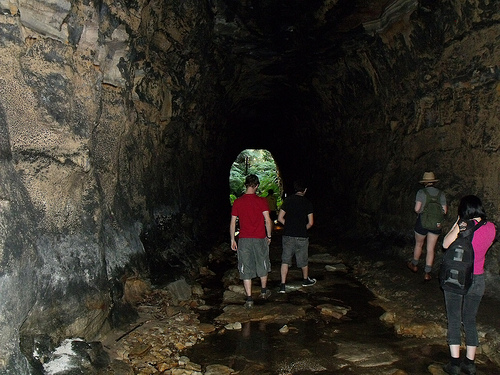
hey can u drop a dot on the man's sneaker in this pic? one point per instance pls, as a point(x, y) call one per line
point(451, 369)
point(469, 369)
point(308, 282)
point(265, 295)
point(282, 288)
point(248, 304)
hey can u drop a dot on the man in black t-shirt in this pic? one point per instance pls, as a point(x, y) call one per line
point(296, 214)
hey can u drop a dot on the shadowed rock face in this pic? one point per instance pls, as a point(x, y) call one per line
point(119, 123)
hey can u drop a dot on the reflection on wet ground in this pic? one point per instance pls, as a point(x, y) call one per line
point(316, 345)
point(357, 343)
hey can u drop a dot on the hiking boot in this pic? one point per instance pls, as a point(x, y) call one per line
point(427, 276)
point(451, 369)
point(265, 295)
point(308, 282)
point(248, 304)
point(282, 288)
point(469, 369)
point(413, 268)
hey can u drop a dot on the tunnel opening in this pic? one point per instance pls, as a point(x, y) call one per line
point(261, 163)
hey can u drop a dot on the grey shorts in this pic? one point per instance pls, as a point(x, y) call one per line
point(297, 246)
point(253, 258)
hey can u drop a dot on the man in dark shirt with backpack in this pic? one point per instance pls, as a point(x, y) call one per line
point(296, 214)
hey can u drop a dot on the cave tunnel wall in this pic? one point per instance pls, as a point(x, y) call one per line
point(373, 115)
point(380, 111)
point(119, 124)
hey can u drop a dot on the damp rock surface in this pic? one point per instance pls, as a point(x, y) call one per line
point(377, 317)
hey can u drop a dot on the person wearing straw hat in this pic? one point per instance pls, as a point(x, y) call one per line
point(424, 199)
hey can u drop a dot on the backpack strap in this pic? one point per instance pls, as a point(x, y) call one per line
point(429, 196)
point(469, 231)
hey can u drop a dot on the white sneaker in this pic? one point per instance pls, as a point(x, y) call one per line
point(308, 282)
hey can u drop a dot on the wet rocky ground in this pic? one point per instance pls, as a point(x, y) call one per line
point(367, 314)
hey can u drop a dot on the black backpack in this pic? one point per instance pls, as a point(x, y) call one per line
point(457, 266)
point(432, 216)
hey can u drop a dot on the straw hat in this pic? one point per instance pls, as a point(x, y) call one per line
point(428, 177)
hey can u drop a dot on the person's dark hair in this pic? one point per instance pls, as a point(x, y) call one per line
point(299, 186)
point(470, 207)
point(252, 180)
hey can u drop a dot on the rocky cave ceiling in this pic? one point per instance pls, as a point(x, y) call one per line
point(280, 43)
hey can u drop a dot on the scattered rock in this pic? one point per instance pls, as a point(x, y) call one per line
point(284, 329)
point(205, 271)
point(135, 289)
point(436, 369)
point(233, 326)
point(421, 330)
point(240, 289)
point(219, 370)
point(364, 355)
point(204, 307)
point(332, 310)
point(231, 277)
point(180, 290)
point(230, 297)
point(197, 290)
point(388, 317)
point(206, 328)
point(336, 268)
point(139, 350)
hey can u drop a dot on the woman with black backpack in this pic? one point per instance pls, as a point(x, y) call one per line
point(462, 308)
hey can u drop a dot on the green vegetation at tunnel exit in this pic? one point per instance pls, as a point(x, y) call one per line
point(260, 163)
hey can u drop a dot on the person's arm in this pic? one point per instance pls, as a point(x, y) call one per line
point(310, 220)
point(269, 225)
point(418, 206)
point(281, 217)
point(232, 231)
point(452, 235)
point(443, 203)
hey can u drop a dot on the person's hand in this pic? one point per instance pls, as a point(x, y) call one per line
point(234, 245)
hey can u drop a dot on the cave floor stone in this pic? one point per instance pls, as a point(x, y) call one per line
point(366, 315)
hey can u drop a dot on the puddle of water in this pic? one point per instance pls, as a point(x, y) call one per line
point(310, 345)
point(359, 344)
point(261, 346)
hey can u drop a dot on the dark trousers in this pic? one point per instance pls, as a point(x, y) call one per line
point(462, 309)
